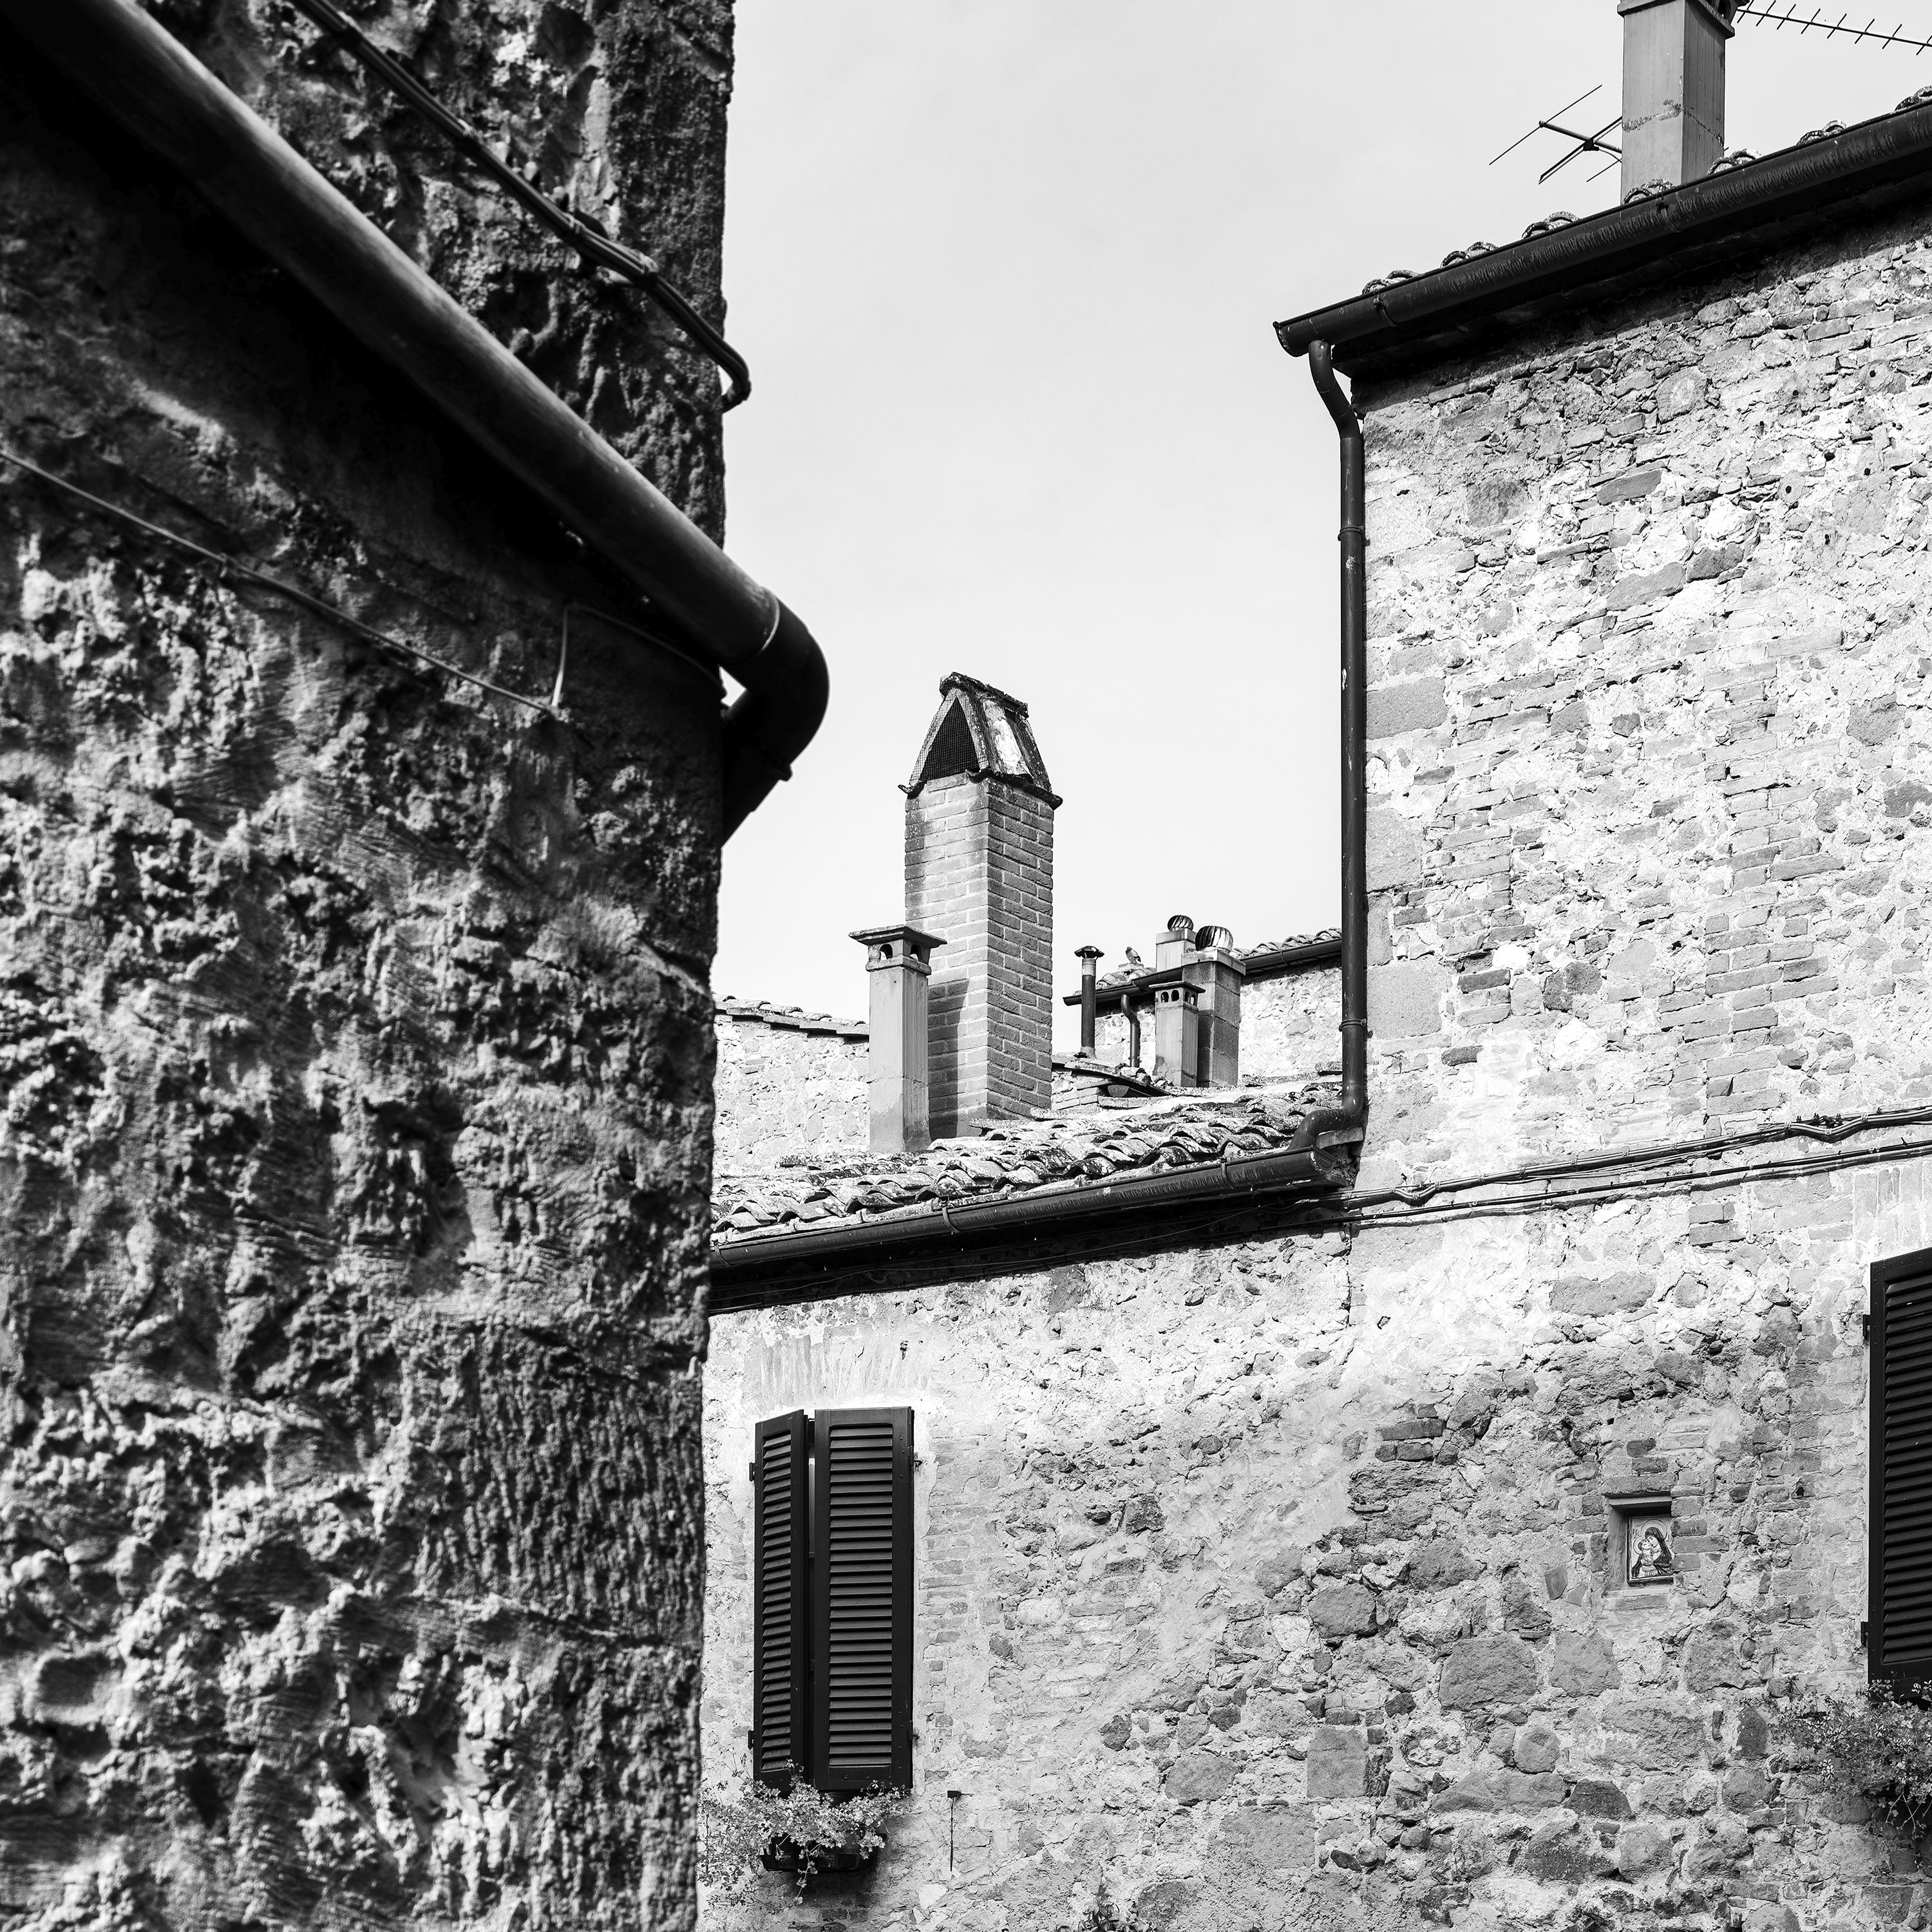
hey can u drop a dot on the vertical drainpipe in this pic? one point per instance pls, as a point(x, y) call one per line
point(1352, 1113)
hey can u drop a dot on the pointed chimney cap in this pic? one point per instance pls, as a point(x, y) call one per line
point(979, 732)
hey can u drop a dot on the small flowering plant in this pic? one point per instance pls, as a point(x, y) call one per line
point(799, 1830)
point(1876, 1744)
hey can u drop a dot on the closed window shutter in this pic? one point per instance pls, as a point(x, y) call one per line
point(862, 1607)
point(1899, 1594)
point(780, 1701)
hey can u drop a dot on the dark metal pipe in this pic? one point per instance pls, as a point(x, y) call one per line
point(1089, 957)
point(135, 70)
point(1350, 1113)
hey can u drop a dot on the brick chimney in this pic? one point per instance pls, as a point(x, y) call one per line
point(1673, 89)
point(979, 872)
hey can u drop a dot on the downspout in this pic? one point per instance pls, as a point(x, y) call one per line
point(138, 74)
point(1348, 1118)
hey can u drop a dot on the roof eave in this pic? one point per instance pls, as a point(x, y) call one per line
point(1746, 209)
point(1131, 1213)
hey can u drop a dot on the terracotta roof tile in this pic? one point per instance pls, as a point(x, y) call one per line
point(1021, 1158)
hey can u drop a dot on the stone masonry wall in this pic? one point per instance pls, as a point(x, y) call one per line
point(1651, 790)
point(1278, 1583)
point(355, 1044)
point(1274, 1583)
point(785, 1094)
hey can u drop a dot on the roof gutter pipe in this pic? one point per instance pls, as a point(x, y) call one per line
point(1348, 1117)
point(137, 72)
point(802, 1263)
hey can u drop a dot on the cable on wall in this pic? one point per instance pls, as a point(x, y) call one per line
point(229, 570)
point(593, 247)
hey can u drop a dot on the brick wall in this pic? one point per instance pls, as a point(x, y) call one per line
point(979, 872)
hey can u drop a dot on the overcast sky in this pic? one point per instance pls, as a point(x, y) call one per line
point(1005, 271)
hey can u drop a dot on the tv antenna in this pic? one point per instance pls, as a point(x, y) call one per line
point(1586, 144)
point(1767, 10)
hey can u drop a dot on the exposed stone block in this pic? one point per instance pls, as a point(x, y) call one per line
point(1199, 1777)
point(1488, 1670)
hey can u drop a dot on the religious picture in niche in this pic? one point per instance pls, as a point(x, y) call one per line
point(1649, 1546)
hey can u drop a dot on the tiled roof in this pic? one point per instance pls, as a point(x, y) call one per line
point(790, 1019)
point(1023, 1158)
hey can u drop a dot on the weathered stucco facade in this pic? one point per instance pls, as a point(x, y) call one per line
point(1280, 1581)
point(356, 1044)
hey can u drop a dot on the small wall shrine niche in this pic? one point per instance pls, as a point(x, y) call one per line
point(1643, 1544)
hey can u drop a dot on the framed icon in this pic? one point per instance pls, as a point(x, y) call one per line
point(1648, 1553)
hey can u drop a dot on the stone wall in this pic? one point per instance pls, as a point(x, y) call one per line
point(787, 1093)
point(354, 1159)
point(1651, 790)
point(1273, 1584)
point(1280, 1584)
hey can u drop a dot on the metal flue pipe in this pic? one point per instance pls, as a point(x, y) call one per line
point(137, 72)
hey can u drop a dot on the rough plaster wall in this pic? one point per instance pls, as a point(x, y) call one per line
point(616, 108)
point(1273, 1583)
point(782, 1093)
point(354, 1155)
point(1651, 783)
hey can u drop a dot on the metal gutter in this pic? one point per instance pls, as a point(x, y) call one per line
point(138, 74)
point(1743, 210)
point(1027, 1230)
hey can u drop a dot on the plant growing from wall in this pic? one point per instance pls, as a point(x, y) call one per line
point(1876, 1744)
point(1102, 1915)
point(800, 1830)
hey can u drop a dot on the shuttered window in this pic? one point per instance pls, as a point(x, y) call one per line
point(780, 1634)
point(833, 1610)
point(1899, 1593)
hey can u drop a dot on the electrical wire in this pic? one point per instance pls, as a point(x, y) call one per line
point(586, 237)
point(232, 572)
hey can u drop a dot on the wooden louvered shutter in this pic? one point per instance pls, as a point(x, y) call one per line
point(780, 1706)
point(1899, 1593)
point(861, 1599)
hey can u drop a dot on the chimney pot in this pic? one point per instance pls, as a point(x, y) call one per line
point(1176, 1035)
point(899, 964)
point(1673, 102)
point(1218, 971)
